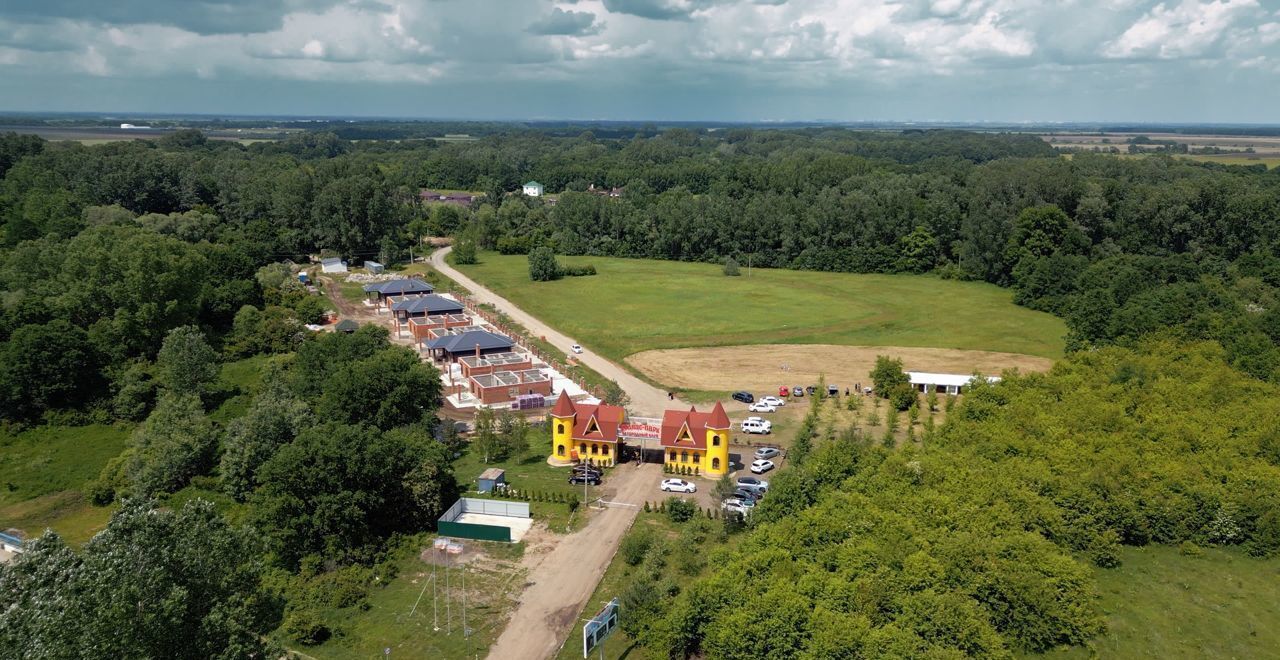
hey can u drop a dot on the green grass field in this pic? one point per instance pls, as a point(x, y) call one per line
point(1162, 604)
point(634, 305)
point(42, 471)
point(391, 621)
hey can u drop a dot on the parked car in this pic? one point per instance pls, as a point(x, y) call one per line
point(576, 348)
point(784, 391)
point(579, 478)
point(588, 469)
point(753, 483)
point(773, 401)
point(760, 466)
point(735, 505)
point(797, 391)
point(767, 452)
point(748, 495)
point(833, 390)
point(811, 389)
point(678, 486)
point(758, 426)
point(743, 396)
point(761, 406)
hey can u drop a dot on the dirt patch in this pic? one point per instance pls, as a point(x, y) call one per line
point(763, 368)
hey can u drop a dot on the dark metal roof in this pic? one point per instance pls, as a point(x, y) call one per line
point(347, 325)
point(399, 287)
point(470, 341)
point(431, 304)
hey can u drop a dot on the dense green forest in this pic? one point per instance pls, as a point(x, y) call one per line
point(129, 271)
point(987, 539)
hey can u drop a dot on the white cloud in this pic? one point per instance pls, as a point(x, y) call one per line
point(1187, 29)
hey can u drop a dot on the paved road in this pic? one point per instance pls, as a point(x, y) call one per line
point(646, 400)
point(563, 579)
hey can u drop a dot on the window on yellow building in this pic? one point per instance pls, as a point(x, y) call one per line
point(559, 450)
point(559, 428)
point(695, 458)
point(715, 464)
point(604, 450)
point(673, 456)
point(595, 449)
point(582, 448)
point(684, 457)
point(715, 441)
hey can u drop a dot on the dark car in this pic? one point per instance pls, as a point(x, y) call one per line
point(811, 389)
point(745, 397)
point(744, 494)
point(583, 467)
point(833, 390)
point(579, 478)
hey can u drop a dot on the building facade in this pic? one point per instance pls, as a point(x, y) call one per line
point(696, 441)
point(585, 432)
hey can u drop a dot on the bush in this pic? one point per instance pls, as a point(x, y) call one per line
point(464, 251)
point(635, 545)
point(542, 265)
point(304, 626)
point(902, 396)
point(577, 271)
point(680, 510)
point(731, 267)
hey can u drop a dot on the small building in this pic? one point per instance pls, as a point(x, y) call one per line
point(490, 479)
point(10, 545)
point(504, 386)
point(533, 189)
point(697, 440)
point(585, 432)
point(487, 364)
point(924, 381)
point(410, 307)
point(333, 265)
point(374, 267)
point(421, 327)
point(346, 325)
point(452, 346)
point(379, 292)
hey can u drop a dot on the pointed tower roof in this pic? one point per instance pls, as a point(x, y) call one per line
point(564, 407)
point(719, 420)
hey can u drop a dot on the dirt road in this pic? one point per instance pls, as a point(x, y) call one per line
point(646, 400)
point(561, 581)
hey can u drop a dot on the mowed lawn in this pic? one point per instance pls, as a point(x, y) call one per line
point(1162, 604)
point(633, 305)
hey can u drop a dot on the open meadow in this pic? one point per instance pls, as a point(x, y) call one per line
point(637, 305)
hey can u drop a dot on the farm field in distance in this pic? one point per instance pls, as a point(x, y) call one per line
point(1232, 148)
point(636, 305)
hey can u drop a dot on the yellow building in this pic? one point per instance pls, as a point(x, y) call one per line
point(585, 432)
point(696, 441)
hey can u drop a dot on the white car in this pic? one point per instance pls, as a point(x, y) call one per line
point(576, 348)
point(761, 406)
point(773, 401)
point(678, 486)
point(761, 466)
point(735, 505)
point(757, 425)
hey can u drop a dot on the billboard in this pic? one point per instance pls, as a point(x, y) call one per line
point(599, 627)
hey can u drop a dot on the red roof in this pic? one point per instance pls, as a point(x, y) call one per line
point(597, 422)
point(564, 407)
point(676, 422)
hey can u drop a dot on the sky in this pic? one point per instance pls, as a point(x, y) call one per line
point(699, 60)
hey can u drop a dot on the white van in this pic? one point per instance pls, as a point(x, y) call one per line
point(757, 425)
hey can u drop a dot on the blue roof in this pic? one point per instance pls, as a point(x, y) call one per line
point(431, 304)
point(470, 341)
point(399, 287)
point(11, 540)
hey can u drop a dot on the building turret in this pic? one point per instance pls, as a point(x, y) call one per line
point(718, 433)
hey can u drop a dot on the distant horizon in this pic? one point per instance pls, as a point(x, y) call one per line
point(249, 116)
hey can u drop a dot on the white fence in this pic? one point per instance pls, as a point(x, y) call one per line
point(486, 507)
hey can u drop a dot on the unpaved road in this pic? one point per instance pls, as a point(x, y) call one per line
point(561, 581)
point(646, 400)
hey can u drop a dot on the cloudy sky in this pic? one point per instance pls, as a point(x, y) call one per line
point(996, 60)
